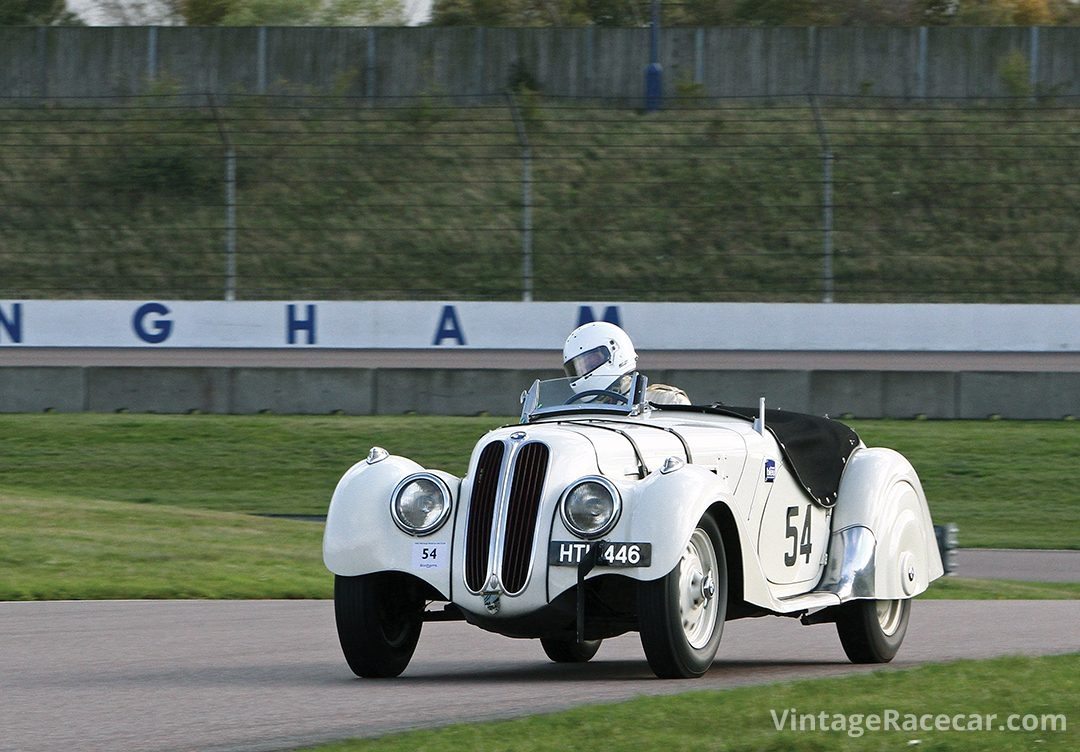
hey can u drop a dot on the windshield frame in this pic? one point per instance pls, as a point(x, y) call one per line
point(532, 407)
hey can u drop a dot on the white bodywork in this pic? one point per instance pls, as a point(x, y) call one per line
point(876, 542)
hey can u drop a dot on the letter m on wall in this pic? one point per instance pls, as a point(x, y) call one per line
point(11, 323)
point(586, 315)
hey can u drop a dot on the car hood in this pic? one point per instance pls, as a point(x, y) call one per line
point(632, 449)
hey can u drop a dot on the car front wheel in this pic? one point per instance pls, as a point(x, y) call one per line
point(872, 631)
point(681, 615)
point(379, 617)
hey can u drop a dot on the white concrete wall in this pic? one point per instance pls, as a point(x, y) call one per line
point(539, 326)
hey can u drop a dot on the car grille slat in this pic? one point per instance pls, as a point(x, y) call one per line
point(523, 507)
point(482, 514)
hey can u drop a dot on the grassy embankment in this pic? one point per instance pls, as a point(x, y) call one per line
point(741, 720)
point(714, 202)
point(157, 506)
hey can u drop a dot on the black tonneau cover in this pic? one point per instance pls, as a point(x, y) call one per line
point(815, 449)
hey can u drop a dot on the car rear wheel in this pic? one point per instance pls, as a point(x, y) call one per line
point(570, 651)
point(379, 617)
point(681, 615)
point(871, 631)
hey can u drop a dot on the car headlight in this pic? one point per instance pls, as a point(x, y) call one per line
point(591, 507)
point(420, 503)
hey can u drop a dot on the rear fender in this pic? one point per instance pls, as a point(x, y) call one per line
point(882, 544)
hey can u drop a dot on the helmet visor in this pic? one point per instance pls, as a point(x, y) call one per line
point(587, 362)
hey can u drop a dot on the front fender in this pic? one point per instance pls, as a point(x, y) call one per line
point(882, 544)
point(666, 509)
point(360, 536)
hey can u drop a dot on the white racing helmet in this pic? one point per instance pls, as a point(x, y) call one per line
point(596, 355)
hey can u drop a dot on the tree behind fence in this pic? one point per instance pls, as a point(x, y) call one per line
point(609, 62)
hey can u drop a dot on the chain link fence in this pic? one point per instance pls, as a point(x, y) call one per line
point(519, 197)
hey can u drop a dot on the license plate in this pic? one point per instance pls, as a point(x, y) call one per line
point(570, 554)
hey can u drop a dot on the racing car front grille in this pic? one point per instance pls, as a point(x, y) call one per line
point(523, 506)
point(482, 514)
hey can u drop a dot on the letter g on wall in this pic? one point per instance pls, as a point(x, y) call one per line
point(159, 329)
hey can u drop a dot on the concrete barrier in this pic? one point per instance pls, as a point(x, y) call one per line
point(454, 391)
point(35, 390)
point(788, 390)
point(303, 391)
point(1046, 396)
point(158, 390)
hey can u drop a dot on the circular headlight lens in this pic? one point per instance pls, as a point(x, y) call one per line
point(591, 508)
point(420, 504)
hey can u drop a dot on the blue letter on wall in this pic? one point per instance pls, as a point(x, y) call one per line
point(449, 328)
point(13, 325)
point(159, 330)
point(294, 325)
point(586, 315)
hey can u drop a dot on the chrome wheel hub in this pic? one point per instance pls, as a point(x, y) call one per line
point(888, 615)
point(697, 590)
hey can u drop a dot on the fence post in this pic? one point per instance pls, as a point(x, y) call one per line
point(526, 202)
point(826, 204)
point(590, 43)
point(151, 53)
point(699, 56)
point(230, 203)
point(921, 62)
point(230, 223)
point(43, 58)
point(654, 72)
point(478, 62)
point(1033, 64)
point(369, 74)
point(260, 62)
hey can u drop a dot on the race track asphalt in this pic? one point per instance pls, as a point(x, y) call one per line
point(127, 676)
point(1018, 564)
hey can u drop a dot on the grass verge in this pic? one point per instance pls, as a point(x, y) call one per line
point(966, 588)
point(978, 474)
point(740, 720)
point(1007, 484)
point(262, 464)
point(85, 549)
point(92, 503)
point(55, 549)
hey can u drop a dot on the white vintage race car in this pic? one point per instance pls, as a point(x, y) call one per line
point(602, 513)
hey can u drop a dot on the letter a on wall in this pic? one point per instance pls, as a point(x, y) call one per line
point(449, 327)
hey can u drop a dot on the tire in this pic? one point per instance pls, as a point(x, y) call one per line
point(681, 615)
point(379, 617)
point(872, 631)
point(570, 651)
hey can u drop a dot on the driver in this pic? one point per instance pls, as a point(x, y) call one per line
point(599, 355)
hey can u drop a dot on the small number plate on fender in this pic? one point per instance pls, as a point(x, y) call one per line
point(570, 554)
point(430, 555)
